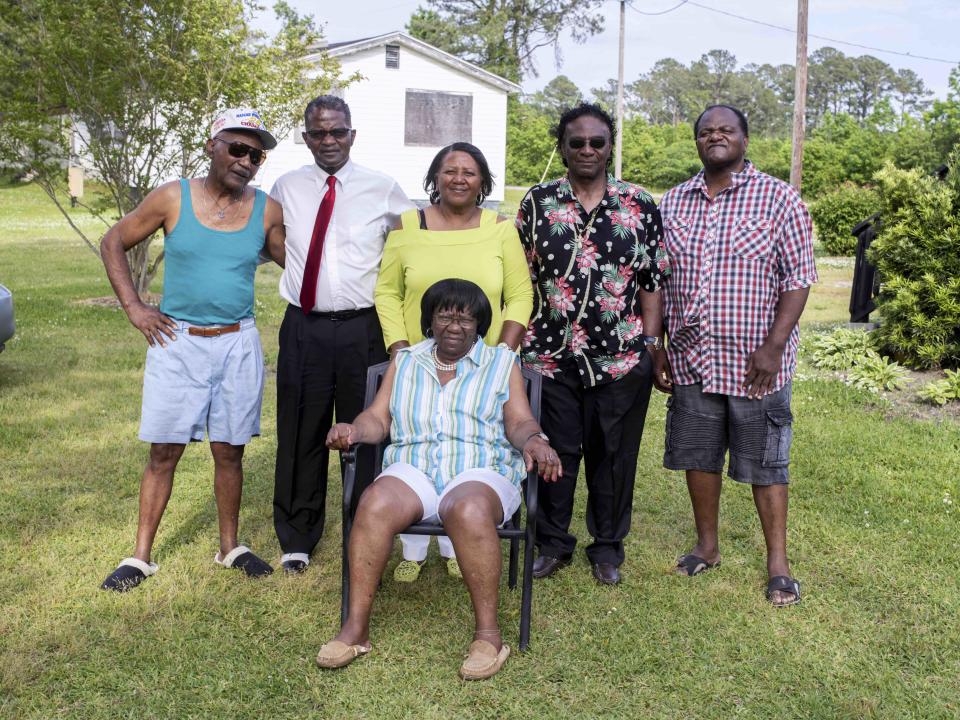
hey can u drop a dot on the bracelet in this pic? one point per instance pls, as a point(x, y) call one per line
point(539, 434)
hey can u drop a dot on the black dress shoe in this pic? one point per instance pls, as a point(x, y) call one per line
point(547, 565)
point(294, 567)
point(606, 573)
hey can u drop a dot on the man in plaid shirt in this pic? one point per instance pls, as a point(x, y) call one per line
point(741, 253)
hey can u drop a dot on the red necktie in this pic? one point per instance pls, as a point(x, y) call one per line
point(311, 271)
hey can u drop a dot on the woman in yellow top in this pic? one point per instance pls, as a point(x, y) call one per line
point(453, 238)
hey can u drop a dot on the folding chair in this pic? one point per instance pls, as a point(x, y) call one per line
point(514, 530)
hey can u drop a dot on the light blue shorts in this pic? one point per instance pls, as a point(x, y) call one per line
point(203, 384)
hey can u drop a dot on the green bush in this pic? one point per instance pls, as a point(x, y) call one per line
point(917, 253)
point(875, 373)
point(842, 349)
point(837, 212)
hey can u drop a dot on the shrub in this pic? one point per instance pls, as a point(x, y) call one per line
point(842, 349)
point(917, 253)
point(940, 392)
point(936, 393)
point(877, 373)
point(838, 211)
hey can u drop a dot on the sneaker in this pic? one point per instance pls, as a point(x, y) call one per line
point(453, 568)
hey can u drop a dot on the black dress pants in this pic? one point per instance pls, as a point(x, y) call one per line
point(321, 369)
point(603, 425)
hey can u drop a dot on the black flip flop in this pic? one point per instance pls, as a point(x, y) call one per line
point(694, 565)
point(784, 583)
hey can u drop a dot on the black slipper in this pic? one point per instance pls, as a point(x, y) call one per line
point(129, 573)
point(294, 563)
point(784, 583)
point(694, 565)
point(242, 558)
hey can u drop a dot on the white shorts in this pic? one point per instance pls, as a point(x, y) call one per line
point(417, 481)
point(197, 385)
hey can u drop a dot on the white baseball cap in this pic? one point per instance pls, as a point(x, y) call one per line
point(243, 119)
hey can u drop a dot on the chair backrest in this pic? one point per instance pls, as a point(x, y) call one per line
point(532, 383)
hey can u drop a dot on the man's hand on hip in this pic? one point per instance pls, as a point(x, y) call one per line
point(152, 323)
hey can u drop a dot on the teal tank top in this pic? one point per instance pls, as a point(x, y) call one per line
point(208, 274)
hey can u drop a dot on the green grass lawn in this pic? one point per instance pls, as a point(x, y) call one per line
point(873, 539)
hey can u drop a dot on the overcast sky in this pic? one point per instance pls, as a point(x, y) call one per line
point(918, 27)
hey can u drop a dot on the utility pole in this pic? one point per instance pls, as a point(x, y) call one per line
point(619, 138)
point(799, 95)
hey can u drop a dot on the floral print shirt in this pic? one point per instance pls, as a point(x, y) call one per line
point(588, 270)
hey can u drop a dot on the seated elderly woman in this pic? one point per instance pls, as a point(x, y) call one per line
point(462, 439)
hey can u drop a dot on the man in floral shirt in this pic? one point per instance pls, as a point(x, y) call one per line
point(741, 252)
point(593, 244)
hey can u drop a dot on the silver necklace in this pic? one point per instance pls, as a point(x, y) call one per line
point(440, 365)
point(221, 212)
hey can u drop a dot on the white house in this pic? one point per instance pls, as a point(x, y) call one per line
point(413, 99)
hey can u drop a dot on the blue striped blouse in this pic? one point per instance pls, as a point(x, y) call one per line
point(444, 430)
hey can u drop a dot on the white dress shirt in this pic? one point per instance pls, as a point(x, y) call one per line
point(367, 204)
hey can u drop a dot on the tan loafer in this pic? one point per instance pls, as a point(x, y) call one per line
point(337, 654)
point(483, 660)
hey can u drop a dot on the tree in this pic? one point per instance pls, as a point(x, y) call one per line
point(872, 82)
point(131, 88)
point(667, 93)
point(910, 93)
point(558, 95)
point(943, 119)
point(715, 75)
point(502, 35)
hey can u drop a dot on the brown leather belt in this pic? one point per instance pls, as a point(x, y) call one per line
point(213, 331)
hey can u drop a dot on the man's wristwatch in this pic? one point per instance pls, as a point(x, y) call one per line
point(541, 435)
point(653, 342)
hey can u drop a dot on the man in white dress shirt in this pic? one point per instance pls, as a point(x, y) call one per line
point(337, 216)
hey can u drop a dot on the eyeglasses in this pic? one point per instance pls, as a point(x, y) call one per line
point(597, 143)
point(337, 133)
point(463, 321)
point(238, 150)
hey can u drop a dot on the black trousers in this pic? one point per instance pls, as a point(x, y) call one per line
point(321, 369)
point(603, 425)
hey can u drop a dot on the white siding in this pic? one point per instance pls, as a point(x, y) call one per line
point(377, 106)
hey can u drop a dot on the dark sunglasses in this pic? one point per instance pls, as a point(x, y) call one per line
point(238, 150)
point(336, 133)
point(595, 142)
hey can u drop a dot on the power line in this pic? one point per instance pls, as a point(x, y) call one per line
point(661, 12)
point(819, 37)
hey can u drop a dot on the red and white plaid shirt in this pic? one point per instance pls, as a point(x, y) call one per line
point(731, 258)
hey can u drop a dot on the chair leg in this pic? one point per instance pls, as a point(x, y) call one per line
point(526, 592)
point(514, 557)
point(345, 568)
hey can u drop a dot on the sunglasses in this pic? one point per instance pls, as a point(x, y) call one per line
point(336, 133)
point(595, 142)
point(239, 150)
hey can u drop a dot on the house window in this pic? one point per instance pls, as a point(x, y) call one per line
point(393, 56)
point(434, 119)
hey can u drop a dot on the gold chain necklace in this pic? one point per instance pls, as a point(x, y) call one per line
point(221, 212)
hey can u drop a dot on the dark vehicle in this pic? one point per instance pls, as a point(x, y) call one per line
point(7, 325)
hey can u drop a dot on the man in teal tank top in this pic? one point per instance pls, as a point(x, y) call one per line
point(204, 370)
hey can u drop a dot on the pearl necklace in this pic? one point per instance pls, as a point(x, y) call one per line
point(440, 365)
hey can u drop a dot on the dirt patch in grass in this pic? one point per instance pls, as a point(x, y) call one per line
point(908, 403)
point(110, 301)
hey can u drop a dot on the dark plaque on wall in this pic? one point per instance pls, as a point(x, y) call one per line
point(435, 119)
